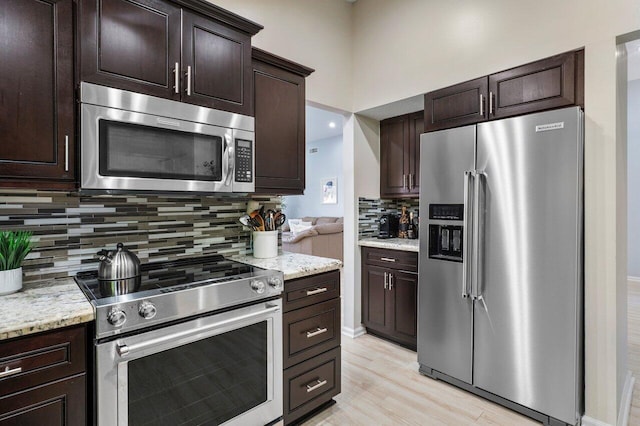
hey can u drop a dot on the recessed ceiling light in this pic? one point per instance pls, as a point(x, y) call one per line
point(332, 124)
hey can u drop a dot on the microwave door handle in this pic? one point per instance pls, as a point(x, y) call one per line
point(231, 160)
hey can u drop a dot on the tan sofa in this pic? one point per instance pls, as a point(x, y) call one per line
point(324, 238)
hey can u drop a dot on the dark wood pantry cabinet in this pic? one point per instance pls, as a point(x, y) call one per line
point(400, 155)
point(279, 102)
point(186, 50)
point(549, 83)
point(390, 294)
point(36, 94)
point(43, 378)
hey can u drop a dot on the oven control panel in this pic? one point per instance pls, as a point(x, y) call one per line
point(244, 161)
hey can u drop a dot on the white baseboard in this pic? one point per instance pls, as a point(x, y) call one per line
point(625, 401)
point(589, 421)
point(353, 333)
point(634, 279)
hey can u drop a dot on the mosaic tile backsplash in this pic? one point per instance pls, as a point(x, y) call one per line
point(69, 228)
point(369, 211)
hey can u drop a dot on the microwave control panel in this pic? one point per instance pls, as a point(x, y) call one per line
point(244, 161)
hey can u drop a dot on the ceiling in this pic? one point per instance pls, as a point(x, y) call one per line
point(633, 60)
point(317, 124)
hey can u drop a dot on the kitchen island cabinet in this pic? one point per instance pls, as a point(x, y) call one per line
point(279, 101)
point(185, 50)
point(36, 95)
point(390, 294)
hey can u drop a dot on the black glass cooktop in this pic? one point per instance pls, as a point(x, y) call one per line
point(167, 277)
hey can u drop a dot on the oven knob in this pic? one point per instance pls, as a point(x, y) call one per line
point(258, 286)
point(275, 282)
point(147, 310)
point(116, 317)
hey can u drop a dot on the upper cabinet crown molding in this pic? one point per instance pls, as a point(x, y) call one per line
point(211, 10)
point(280, 62)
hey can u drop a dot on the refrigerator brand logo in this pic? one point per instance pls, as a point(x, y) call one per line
point(551, 126)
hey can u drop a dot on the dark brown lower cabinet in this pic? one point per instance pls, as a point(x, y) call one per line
point(390, 295)
point(311, 340)
point(45, 378)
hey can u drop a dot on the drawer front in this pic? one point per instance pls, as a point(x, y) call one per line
point(41, 358)
point(391, 259)
point(311, 290)
point(311, 384)
point(311, 331)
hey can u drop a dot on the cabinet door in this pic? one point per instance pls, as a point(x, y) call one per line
point(376, 299)
point(280, 130)
point(416, 128)
point(61, 403)
point(36, 91)
point(545, 84)
point(405, 307)
point(216, 61)
point(394, 156)
point(459, 105)
point(130, 44)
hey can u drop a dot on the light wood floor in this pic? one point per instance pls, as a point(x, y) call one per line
point(381, 386)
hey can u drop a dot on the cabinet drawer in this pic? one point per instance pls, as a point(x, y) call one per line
point(391, 259)
point(311, 290)
point(311, 331)
point(311, 384)
point(42, 358)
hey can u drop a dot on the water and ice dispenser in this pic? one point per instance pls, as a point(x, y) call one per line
point(446, 241)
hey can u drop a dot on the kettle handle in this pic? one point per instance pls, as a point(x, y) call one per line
point(119, 246)
point(104, 256)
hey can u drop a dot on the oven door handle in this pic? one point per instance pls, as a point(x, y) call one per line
point(124, 349)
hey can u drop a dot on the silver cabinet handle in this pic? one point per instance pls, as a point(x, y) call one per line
point(318, 331)
point(490, 103)
point(404, 181)
point(390, 281)
point(10, 371)
point(317, 291)
point(386, 281)
point(189, 80)
point(466, 240)
point(176, 81)
point(316, 384)
point(388, 259)
point(410, 181)
point(481, 105)
point(66, 153)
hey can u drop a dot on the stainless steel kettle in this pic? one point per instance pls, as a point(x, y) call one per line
point(118, 264)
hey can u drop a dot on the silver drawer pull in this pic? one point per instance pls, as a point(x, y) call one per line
point(316, 291)
point(387, 259)
point(10, 372)
point(315, 385)
point(317, 332)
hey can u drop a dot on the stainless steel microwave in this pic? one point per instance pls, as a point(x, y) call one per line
point(135, 142)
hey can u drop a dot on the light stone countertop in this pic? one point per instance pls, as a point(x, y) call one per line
point(43, 306)
point(293, 265)
point(391, 243)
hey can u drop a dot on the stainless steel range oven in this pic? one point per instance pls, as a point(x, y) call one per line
point(198, 343)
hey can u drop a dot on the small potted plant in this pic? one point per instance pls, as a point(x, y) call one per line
point(14, 247)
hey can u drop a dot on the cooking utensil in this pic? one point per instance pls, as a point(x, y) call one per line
point(258, 220)
point(246, 221)
point(279, 220)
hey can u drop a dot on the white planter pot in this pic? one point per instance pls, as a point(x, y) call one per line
point(10, 281)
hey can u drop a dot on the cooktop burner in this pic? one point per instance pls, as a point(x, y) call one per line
point(169, 291)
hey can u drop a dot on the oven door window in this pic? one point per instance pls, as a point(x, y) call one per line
point(209, 381)
point(134, 150)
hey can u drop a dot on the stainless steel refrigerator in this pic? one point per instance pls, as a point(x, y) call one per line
point(501, 258)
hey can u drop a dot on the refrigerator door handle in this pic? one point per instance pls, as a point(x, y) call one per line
point(467, 237)
point(478, 220)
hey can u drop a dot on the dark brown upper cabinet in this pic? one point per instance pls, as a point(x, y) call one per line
point(36, 94)
point(185, 50)
point(400, 155)
point(550, 83)
point(454, 106)
point(279, 102)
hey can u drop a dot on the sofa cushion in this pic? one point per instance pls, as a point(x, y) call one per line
point(340, 220)
point(329, 228)
point(292, 238)
point(322, 220)
point(310, 219)
point(299, 227)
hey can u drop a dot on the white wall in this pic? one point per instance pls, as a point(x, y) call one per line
point(402, 49)
point(633, 170)
point(311, 32)
point(325, 163)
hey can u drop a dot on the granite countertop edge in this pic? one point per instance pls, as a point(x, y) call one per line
point(293, 265)
point(43, 306)
point(391, 244)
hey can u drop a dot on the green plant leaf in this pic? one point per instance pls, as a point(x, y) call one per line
point(14, 247)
